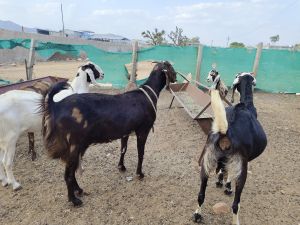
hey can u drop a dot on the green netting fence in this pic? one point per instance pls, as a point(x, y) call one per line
point(278, 70)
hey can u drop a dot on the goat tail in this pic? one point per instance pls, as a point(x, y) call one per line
point(53, 142)
point(220, 123)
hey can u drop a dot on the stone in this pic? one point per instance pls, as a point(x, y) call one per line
point(221, 208)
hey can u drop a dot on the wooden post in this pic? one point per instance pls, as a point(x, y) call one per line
point(31, 59)
point(257, 58)
point(199, 60)
point(132, 81)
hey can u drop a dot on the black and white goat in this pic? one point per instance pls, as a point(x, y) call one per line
point(221, 86)
point(236, 138)
point(76, 122)
point(19, 113)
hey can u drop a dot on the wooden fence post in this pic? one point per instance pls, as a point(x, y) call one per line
point(132, 81)
point(257, 58)
point(31, 59)
point(199, 61)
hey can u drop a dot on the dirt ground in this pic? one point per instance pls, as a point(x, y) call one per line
point(168, 193)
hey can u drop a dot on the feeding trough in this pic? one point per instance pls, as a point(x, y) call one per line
point(23, 85)
point(195, 99)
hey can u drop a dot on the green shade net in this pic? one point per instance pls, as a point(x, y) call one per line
point(278, 71)
point(229, 62)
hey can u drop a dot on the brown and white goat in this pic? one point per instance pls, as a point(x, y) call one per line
point(236, 138)
point(220, 85)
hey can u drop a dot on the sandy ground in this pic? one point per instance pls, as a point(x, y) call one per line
point(64, 69)
point(168, 193)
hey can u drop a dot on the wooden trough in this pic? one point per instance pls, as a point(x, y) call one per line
point(196, 101)
point(24, 84)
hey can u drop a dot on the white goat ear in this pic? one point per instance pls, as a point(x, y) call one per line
point(254, 81)
point(236, 81)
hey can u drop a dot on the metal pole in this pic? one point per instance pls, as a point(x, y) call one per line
point(31, 59)
point(257, 58)
point(199, 60)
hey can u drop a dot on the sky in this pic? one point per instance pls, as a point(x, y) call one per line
point(215, 22)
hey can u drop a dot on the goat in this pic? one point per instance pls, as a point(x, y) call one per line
point(73, 124)
point(18, 113)
point(87, 73)
point(236, 138)
point(221, 86)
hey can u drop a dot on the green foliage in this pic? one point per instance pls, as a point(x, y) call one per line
point(177, 37)
point(236, 45)
point(155, 38)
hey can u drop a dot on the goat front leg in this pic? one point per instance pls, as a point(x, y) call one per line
point(124, 141)
point(197, 217)
point(8, 163)
point(141, 141)
point(31, 146)
point(3, 178)
point(240, 183)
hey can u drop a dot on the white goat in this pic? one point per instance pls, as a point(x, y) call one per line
point(19, 113)
point(87, 74)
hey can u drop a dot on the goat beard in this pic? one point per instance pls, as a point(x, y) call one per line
point(233, 90)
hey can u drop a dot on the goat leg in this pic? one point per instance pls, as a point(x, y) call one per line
point(71, 182)
point(141, 141)
point(197, 217)
point(31, 146)
point(240, 182)
point(124, 142)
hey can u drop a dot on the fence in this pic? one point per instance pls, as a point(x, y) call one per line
point(277, 70)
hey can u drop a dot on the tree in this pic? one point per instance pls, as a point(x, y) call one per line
point(274, 39)
point(194, 40)
point(236, 45)
point(156, 37)
point(178, 38)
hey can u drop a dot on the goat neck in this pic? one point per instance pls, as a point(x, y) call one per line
point(246, 92)
point(157, 81)
point(246, 96)
point(80, 84)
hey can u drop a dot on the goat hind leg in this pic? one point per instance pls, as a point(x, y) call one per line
point(197, 217)
point(240, 183)
point(3, 178)
point(31, 146)
point(124, 142)
point(8, 164)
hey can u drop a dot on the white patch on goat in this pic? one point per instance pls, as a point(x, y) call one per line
point(68, 137)
point(234, 167)
point(72, 148)
point(209, 159)
point(76, 114)
point(85, 124)
point(198, 210)
point(220, 123)
point(235, 217)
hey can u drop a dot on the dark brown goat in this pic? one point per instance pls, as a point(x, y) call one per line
point(73, 124)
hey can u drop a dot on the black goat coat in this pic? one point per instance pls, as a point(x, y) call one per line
point(251, 142)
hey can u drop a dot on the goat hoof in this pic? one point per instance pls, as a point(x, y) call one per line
point(76, 202)
point(17, 187)
point(79, 192)
point(197, 218)
point(227, 192)
point(219, 184)
point(140, 176)
point(121, 168)
point(4, 183)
